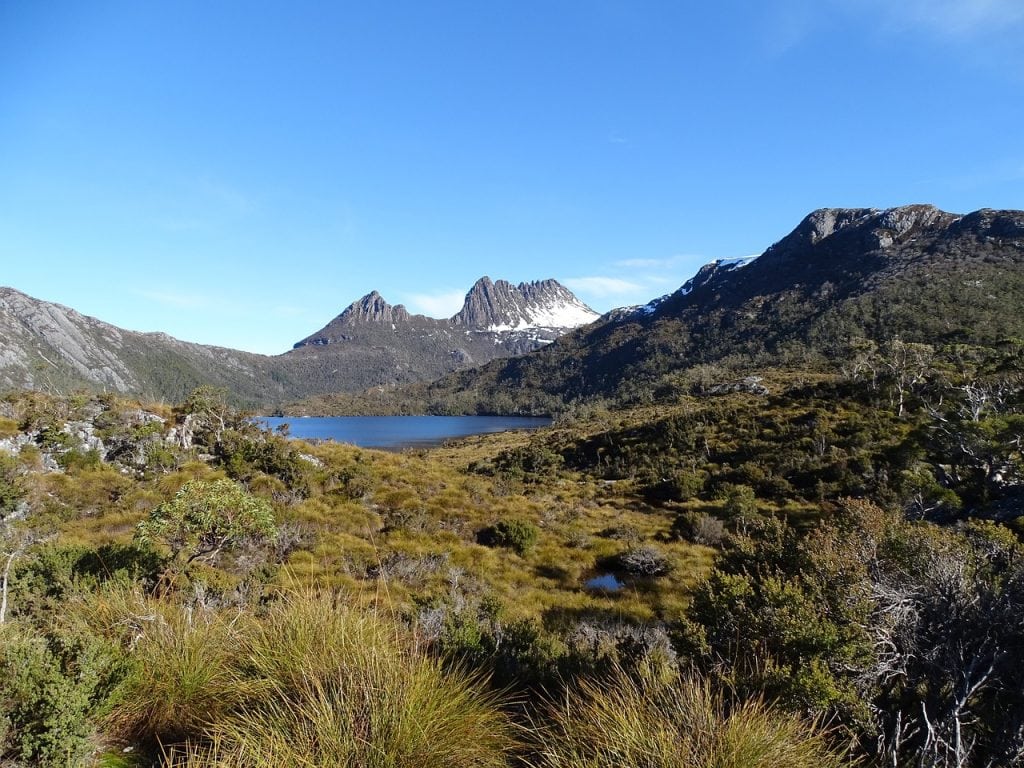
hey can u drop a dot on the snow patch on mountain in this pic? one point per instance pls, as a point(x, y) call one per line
point(556, 314)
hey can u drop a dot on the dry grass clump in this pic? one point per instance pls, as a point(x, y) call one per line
point(309, 682)
point(623, 723)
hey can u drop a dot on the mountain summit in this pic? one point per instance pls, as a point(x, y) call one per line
point(542, 304)
point(373, 343)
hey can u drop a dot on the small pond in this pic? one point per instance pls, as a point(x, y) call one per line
point(604, 582)
point(395, 433)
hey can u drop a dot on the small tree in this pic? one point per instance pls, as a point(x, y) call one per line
point(204, 519)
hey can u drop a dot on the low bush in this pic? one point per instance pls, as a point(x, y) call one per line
point(644, 561)
point(518, 535)
point(51, 688)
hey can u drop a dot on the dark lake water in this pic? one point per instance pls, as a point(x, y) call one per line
point(394, 433)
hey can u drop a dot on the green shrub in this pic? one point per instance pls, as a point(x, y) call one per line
point(739, 501)
point(12, 488)
point(518, 535)
point(51, 687)
point(699, 528)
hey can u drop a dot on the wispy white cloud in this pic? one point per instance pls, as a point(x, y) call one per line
point(602, 286)
point(949, 18)
point(438, 305)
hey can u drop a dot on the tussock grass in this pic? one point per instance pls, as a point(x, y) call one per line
point(340, 687)
point(310, 681)
point(622, 723)
point(182, 678)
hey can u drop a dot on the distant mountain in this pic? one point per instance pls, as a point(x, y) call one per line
point(373, 343)
point(545, 307)
point(913, 272)
point(370, 344)
point(53, 348)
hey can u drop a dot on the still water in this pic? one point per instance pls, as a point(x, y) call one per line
point(393, 433)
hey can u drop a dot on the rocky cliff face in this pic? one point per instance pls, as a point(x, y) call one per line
point(370, 310)
point(542, 304)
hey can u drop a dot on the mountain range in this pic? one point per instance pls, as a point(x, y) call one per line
point(914, 272)
point(370, 344)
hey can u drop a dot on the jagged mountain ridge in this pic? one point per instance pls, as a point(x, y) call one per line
point(913, 272)
point(543, 306)
point(48, 346)
point(379, 344)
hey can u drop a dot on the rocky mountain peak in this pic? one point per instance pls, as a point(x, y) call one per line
point(502, 306)
point(370, 311)
point(372, 308)
point(883, 225)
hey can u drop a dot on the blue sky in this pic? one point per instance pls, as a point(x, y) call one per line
point(236, 173)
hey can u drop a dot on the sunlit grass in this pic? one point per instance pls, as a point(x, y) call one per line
point(625, 723)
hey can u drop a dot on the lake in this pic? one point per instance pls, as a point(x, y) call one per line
point(393, 433)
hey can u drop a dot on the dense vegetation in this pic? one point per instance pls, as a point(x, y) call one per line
point(783, 567)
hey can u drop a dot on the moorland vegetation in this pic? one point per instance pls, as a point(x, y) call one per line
point(810, 567)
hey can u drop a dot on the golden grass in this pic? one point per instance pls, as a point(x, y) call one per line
point(311, 681)
point(625, 723)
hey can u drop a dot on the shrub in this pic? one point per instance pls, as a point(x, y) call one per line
point(204, 519)
point(641, 561)
point(50, 688)
point(739, 502)
point(12, 489)
point(517, 535)
point(699, 528)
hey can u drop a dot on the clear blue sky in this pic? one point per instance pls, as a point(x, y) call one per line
point(236, 173)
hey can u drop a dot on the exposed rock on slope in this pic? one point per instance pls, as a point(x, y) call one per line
point(540, 305)
point(51, 347)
